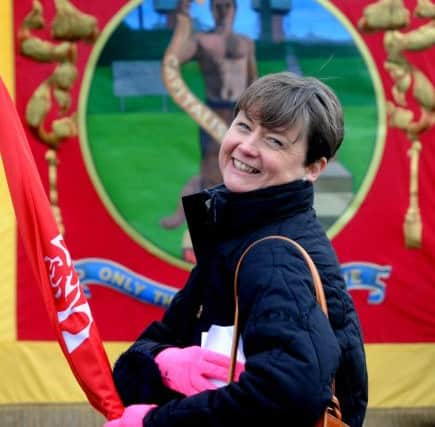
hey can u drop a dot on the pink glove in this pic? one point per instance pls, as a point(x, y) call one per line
point(189, 370)
point(132, 416)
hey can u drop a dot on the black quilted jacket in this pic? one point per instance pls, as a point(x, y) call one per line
point(292, 350)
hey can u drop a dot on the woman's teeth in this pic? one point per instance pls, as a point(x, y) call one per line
point(243, 167)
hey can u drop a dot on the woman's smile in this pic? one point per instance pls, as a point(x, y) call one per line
point(243, 167)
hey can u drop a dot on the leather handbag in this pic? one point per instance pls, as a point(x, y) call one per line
point(332, 415)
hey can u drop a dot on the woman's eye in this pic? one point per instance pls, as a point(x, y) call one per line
point(243, 126)
point(275, 143)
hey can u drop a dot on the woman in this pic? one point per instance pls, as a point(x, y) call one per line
point(284, 131)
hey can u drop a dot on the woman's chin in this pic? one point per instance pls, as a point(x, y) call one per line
point(240, 186)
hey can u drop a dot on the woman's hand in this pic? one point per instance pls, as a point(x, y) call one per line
point(189, 370)
point(132, 416)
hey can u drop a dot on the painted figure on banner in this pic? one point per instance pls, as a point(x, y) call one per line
point(228, 65)
point(410, 86)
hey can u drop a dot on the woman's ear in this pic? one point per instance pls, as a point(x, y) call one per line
point(313, 171)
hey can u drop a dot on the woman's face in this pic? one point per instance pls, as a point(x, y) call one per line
point(253, 157)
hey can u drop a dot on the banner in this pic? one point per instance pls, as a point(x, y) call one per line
point(117, 143)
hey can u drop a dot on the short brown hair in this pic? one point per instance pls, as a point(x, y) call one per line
point(286, 100)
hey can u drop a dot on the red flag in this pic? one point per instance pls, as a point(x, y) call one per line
point(63, 296)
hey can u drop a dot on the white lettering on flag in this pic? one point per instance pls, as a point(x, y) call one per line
point(65, 283)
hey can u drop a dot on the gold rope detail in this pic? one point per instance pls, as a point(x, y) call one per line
point(413, 226)
point(52, 161)
point(179, 91)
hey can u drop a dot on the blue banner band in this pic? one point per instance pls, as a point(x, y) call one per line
point(97, 271)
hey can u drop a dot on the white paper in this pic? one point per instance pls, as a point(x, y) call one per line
point(219, 339)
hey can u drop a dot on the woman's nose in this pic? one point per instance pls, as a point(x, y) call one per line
point(250, 144)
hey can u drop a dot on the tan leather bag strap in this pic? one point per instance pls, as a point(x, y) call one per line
point(320, 297)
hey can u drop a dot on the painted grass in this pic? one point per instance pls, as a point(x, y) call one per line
point(143, 160)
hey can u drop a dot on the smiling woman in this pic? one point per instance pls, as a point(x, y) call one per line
point(286, 129)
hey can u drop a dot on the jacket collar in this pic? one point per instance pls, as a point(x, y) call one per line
point(218, 213)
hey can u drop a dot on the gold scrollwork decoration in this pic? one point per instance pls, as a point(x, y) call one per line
point(409, 84)
point(48, 110)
